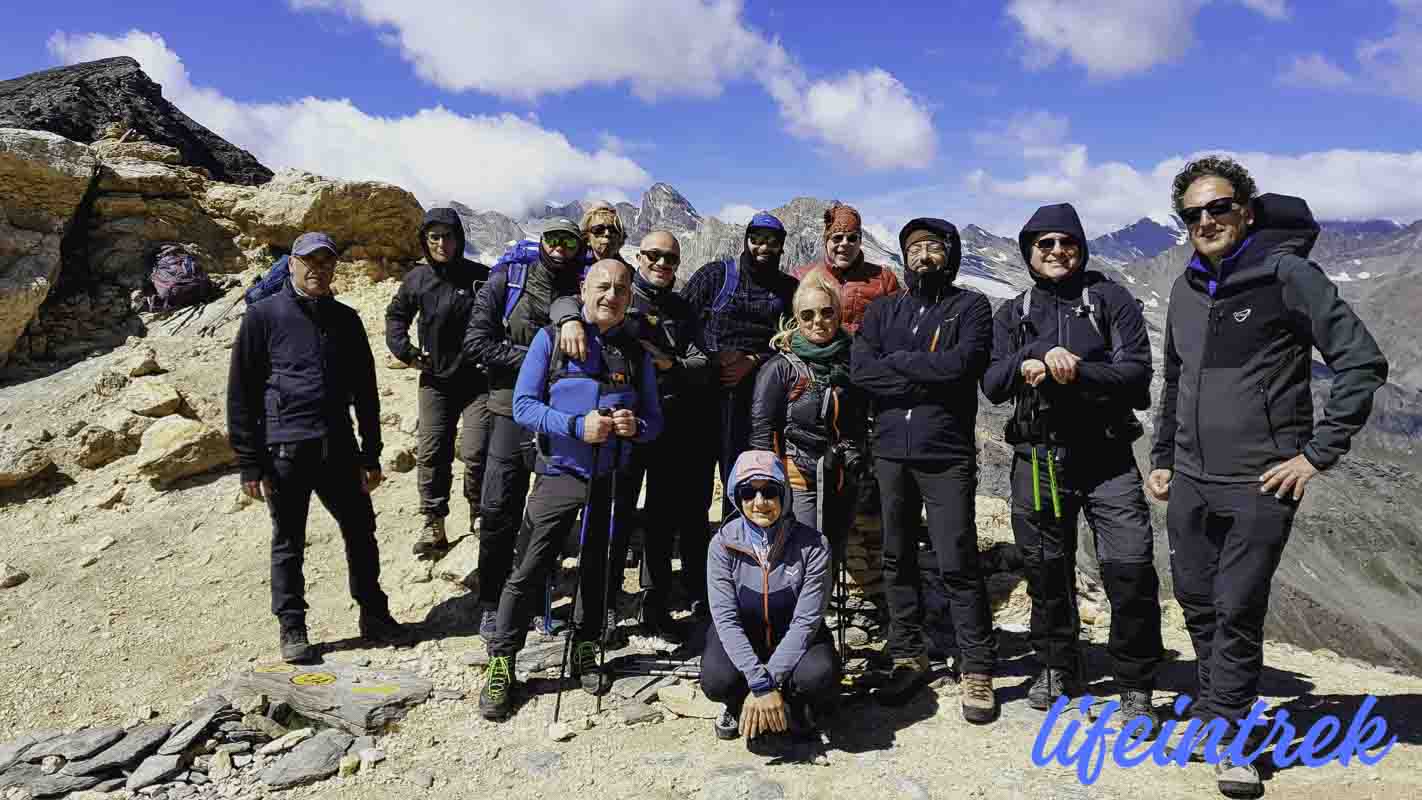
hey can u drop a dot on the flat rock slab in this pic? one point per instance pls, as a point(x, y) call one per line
point(740, 784)
point(315, 759)
point(154, 769)
point(33, 780)
point(541, 762)
point(686, 700)
point(76, 746)
point(194, 725)
point(139, 742)
point(358, 700)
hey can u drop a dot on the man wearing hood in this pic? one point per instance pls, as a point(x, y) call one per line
point(508, 312)
point(920, 354)
point(1073, 355)
point(738, 304)
point(1235, 439)
point(769, 656)
point(440, 292)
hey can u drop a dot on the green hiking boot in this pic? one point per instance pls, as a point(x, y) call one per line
point(586, 670)
point(496, 698)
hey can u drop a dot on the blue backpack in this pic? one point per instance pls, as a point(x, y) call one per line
point(269, 284)
point(728, 286)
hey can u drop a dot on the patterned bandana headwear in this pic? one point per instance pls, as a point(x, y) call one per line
point(840, 218)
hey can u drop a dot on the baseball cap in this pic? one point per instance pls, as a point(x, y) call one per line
point(311, 241)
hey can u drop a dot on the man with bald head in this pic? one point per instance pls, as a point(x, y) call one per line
point(589, 416)
point(678, 465)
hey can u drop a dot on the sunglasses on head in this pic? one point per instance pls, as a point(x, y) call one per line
point(811, 314)
point(841, 238)
point(602, 230)
point(748, 493)
point(1049, 243)
point(1217, 208)
point(653, 256)
point(561, 240)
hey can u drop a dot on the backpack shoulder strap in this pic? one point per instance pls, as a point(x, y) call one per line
point(728, 286)
point(513, 290)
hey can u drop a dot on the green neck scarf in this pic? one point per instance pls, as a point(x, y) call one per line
point(826, 361)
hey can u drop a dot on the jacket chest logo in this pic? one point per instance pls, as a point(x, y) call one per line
point(1241, 316)
point(792, 571)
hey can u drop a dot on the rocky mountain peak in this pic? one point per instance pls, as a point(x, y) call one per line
point(1142, 239)
point(664, 208)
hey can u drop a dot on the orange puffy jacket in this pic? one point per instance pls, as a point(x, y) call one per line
point(859, 285)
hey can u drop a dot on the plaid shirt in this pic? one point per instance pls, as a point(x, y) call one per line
point(752, 314)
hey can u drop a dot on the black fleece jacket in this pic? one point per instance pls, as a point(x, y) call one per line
point(1115, 372)
point(298, 366)
point(1236, 398)
point(441, 296)
point(920, 354)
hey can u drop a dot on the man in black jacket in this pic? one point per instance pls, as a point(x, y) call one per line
point(441, 292)
point(1235, 440)
point(1073, 355)
point(508, 312)
point(920, 354)
point(300, 362)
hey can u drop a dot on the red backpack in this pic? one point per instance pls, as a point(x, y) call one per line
point(177, 280)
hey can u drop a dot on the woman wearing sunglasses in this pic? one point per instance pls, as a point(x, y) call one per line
point(808, 414)
point(769, 656)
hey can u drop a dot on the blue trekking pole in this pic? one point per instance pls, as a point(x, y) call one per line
point(607, 564)
point(577, 581)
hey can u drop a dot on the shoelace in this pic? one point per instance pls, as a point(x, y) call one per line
point(978, 689)
point(497, 676)
point(586, 656)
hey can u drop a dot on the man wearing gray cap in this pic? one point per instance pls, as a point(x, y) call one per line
point(511, 308)
point(300, 361)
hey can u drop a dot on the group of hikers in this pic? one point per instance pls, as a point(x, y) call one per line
point(817, 395)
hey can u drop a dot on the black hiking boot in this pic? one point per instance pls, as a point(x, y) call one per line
point(381, 628)
point(1136, 704)
point(432, 541)
point(909, 675)
point(488, 624)
point(586, 670)
point(657, 623)
point(496, 698)
point(295, 647)
point(1052, 683)
point(728, 725)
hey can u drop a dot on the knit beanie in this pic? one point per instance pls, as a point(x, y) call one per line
point(921, 234)
point(840, 218)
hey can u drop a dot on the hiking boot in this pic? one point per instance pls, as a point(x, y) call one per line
point(488, 624)
point(496, 698)
point(658, 624)
point(728, 725)
point(380, 627)
point(909, 675)
point(1237, 780)
point(432, 540)
point(548, 626)
point(295, 647)
point(1136, 704)
point(1052, 683)
point(803, 725)
point(978, 700)
point(586, 670)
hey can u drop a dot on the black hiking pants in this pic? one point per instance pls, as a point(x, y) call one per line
point(332, 472)
point(948, 491)
point(446, 403)
point(506, 476)
point(678, 466)
point(1106, 485)
point(735, 433)
point(1226, 540)
point(814, 680)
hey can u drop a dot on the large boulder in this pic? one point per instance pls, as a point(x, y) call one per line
point(43, 179)
point(21, 461)
point(370, 221)
point(151, 397)
point(176, 447)
point(82, 101)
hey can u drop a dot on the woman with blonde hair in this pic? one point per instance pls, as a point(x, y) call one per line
point(807, 413)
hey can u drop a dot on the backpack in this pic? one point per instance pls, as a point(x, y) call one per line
point(271, 283)
point(177, 280)
point(558, 370)
point(1111, 334)
point(728, 286)
point(513, 291)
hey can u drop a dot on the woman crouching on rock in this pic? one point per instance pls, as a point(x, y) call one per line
point(769, 657)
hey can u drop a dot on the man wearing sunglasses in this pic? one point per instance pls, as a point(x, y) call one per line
point(440, 293)
point(920, 354)
point(1072, 353)
point(1235, 439)
point(507, 315)
point(300, 363)
point(859, 282)
point(739, 303)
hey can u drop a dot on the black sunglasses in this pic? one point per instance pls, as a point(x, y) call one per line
point(748, 493)
point(839, 238)
point(1217, 208)
point(809, 314)
point(653, 256)
point(602, 230)
point(1049, 243)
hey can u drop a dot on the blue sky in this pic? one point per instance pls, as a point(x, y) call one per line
point(976, 111)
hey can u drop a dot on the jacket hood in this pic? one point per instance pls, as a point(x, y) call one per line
point(1059, 218)
point(949, 232)
point(442, 216)
point(1284, 223)
point(753, 465)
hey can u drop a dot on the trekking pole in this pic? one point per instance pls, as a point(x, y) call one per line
point(577, 581)
point(607, 564)
point(211, 327)
point(1042, 558)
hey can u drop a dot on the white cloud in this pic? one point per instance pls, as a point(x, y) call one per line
point(736, 213)
point(1114, 38)
point(1029, 134)
point(507, 163)
point(1314, 71)
point(523, 49)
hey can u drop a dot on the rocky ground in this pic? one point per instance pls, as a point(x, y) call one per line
point(147, 587)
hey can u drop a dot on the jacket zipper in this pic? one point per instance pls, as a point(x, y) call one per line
point(1210, 330)
point(764, 591)
point(1264, 397)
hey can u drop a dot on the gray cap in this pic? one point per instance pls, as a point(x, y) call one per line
point(565, 225)
point(311, 241)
